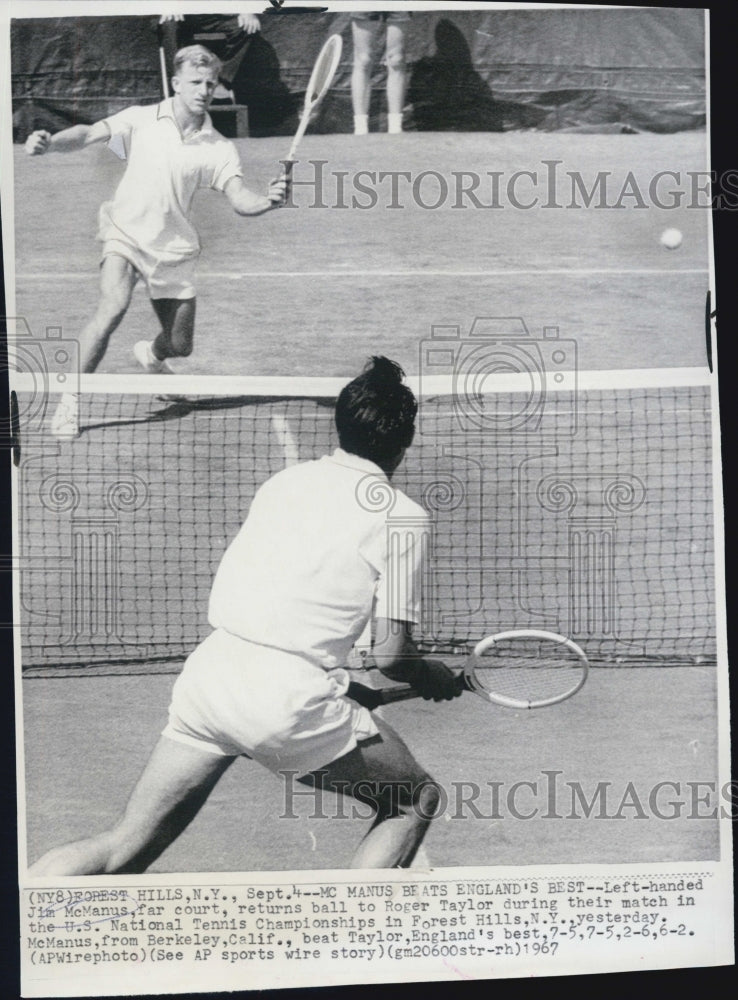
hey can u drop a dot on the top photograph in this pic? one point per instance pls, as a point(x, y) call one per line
point(284, 194)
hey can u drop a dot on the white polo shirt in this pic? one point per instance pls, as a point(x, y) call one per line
point(325, 543)
point(151, 207)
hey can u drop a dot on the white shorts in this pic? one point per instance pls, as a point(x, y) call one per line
point(234, 697)
point(164, 279)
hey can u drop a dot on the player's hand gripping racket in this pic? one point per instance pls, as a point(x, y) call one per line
point(528, 668)
point(320, 80)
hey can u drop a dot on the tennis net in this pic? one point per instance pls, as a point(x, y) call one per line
point(591, 516)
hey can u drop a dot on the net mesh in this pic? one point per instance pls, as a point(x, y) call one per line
point(592, 518)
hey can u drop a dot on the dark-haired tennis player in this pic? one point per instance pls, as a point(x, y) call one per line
point(171, 150)
point(293, 592)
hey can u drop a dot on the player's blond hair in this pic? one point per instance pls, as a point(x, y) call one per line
point(196, 55)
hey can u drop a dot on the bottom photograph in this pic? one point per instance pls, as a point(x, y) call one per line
point(369, 623)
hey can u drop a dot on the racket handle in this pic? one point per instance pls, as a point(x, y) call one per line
point(368, 697)
point(372, 698)
point(404, 693)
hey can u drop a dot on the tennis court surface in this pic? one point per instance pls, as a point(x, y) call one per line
point(312, 290)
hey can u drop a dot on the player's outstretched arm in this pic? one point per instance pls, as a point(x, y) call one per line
point(69, 139)
point(244, 201)
point(398, 658)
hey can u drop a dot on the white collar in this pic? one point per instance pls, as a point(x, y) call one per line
point(347, 458)
point(166, 110)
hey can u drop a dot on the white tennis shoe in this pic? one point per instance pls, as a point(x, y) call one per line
point(145, 356)
point(65, 422)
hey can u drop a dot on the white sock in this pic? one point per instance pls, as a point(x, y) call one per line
point(361, 124)
point(69, 398)
point(394, 123)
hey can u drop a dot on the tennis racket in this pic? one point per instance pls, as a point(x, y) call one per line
point(527, 668)
point(320, 80)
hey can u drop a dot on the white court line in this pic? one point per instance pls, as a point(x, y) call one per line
point(286, 439)
point(581, 272)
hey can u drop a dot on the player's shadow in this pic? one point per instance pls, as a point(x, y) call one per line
point(447, 93)
point(258, 84)
point(175, 407)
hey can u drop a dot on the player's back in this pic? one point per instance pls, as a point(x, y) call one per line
point(301, 574)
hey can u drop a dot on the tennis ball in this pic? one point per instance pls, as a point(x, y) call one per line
point(671, 238)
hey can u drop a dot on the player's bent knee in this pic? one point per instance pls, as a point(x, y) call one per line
point(363, 60)
point(396, 63)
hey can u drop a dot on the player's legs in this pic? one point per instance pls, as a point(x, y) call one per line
point(118, 278)
point(174, 785)
point(177, 318)
point(363, 33)
point(396, 75)
point(383, 772)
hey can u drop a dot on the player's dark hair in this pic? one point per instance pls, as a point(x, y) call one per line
point(196, 55)
point(375, 413)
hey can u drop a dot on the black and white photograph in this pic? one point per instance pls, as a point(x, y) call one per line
point(368, 534)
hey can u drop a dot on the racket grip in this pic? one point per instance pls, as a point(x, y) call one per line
point(372, 698)
point(367, 697)
point(404, 693)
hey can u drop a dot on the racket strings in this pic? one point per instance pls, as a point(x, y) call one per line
point(534, 673)
point(325, 68)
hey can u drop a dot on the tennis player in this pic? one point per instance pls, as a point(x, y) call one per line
point(228, 36)
point(365, 29)
point(171, 150)
point(293, 592)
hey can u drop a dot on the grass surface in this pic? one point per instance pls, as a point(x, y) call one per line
point(312, 290)
point(88, 739)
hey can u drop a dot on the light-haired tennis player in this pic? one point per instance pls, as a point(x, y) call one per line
point(294, 591)
point(171, 150)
